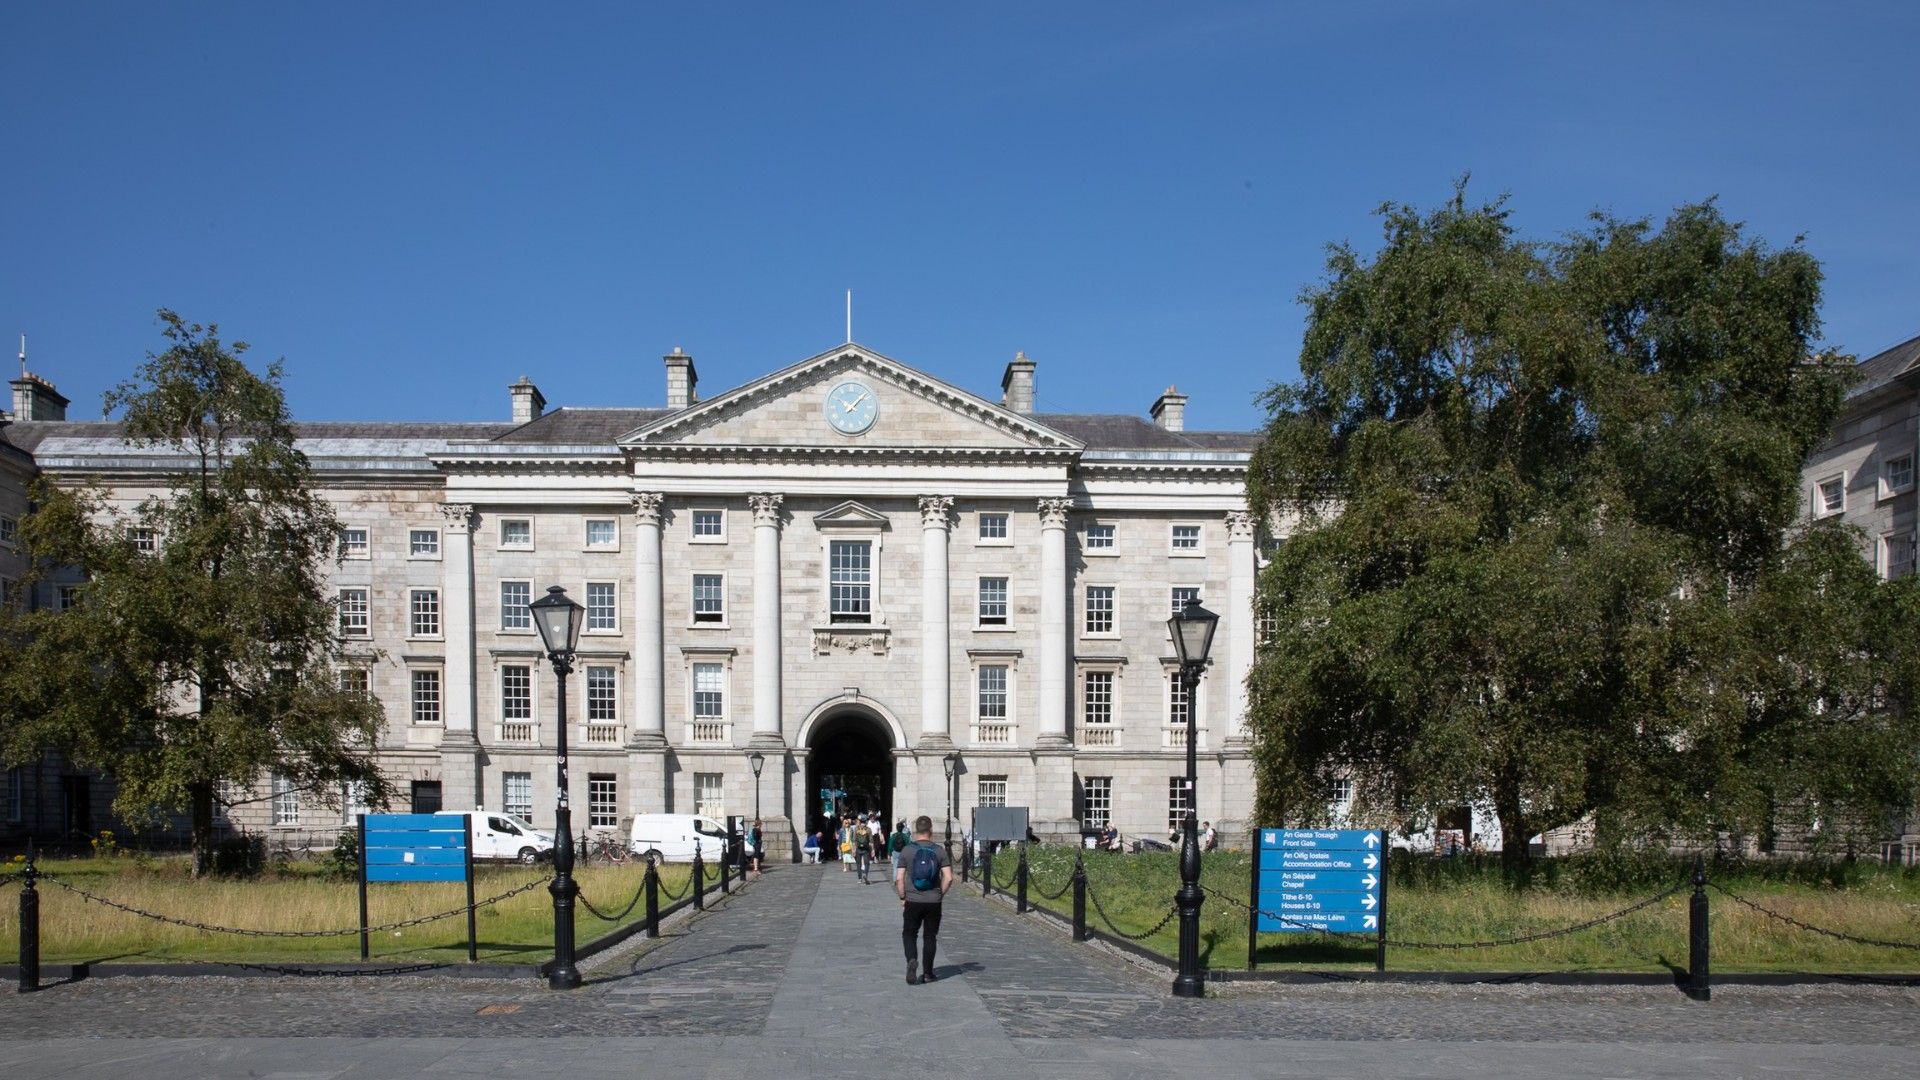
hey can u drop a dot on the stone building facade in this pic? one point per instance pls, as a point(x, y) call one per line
point(867, 576)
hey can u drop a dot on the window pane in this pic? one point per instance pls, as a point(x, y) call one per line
point(1176, 699)
point(600, 533)
point(353, 543)
point(1900, 472)
point(1833, 496)
point(1186, 537)
point(850, 580)
point(426, 697)
point(993, 601)
point(353, 613)
point(514, 598)
point(286, 802)
point(426, 613)
point(603, 801)
point(1097, 801)
point(423, 542)
point(143, 540)
point(993, 526)
point(993, 791)
point(993, 692)
point(516, 692)
point(1099, 537)
point(603, 695)
point(1181, 597)
point(602, 613)
point(517, 794)
point(709, 695)
point(709, 598)
point(1097, 702)
point(707, 796)
point(1179, 801)
point(516, 532)
point(708, 523)
point(1099, 609)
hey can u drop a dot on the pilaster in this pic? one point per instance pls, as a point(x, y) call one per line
point(1053, 626)
point(936, 661)
point(648, 728)
point(766, 619)
point(1240, 623)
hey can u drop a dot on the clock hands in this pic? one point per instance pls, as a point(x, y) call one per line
point(849, 406)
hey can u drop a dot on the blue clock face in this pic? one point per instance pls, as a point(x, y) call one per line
point(851, 408)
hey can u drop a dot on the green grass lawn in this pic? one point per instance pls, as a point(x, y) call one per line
point(301, 896)
point(1474, 902)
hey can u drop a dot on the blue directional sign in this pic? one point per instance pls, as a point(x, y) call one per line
point(1319, 879)
point(416, 847)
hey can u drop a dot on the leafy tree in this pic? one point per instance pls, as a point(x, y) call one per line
point(212, 659)
point(1546, 556)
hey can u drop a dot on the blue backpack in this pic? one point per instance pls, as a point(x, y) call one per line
point(924, 870)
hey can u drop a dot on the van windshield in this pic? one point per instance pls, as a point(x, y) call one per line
point(519, 823)
point(709, 828)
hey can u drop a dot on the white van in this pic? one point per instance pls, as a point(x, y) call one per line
point(673, 836)
point(503, 836)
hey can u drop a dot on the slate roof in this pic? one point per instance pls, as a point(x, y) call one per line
point(1877, 371)
point(1118, 431)
point(581, 427)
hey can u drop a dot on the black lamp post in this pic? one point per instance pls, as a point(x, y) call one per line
point(758, 761)
point(1192, 629)
point(558, 618)
point(952, 764)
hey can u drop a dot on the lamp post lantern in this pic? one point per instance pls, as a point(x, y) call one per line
point(951, 763)
point(558, 618)
point(1192, 630)
point(757, 761)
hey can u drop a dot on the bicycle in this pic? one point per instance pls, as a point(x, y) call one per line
point(607, 848)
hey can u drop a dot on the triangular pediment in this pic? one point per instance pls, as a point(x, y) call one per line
point(849, 515)
point(910, 409)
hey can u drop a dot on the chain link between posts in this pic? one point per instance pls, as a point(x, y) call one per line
point(1172, 910)
point(1809, 927)
point(248, 932)
point(624, 912)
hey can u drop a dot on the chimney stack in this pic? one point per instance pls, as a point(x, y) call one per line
point(528, 402)
point(34, 398)
point(1170, 410)
point(1017, 385)
point(681, 379)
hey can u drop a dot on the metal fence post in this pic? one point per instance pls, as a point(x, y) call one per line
point(726, 858)
point(699, 880)
point(1699, 985)
point(986, 864)
point(1079, 899)
point(652, 885)
point(966, 859)
point(1020, 881)
point(29, 926)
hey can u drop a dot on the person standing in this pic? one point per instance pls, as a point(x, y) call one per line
point(898, 842)
point(755, 836)
point(863, 850)
point(923, 872)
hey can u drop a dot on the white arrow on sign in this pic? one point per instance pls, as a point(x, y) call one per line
point(1372, 840)
point(1367, 901)
point(1370, 861)
point(1368, 922)
point(1369, 881)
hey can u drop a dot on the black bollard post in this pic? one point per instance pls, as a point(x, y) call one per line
point(652, 886)
point(986, 866)
point(699, 880)
point(29, 926)
point(726, 860)
point(1020, 881)
point(1699, 986)
point(966, 860)
point(1079, 899)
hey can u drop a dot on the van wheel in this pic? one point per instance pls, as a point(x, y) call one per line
point(528, 856)
point(654, 855)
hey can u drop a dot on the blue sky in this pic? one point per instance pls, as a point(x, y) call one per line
point(416, 203)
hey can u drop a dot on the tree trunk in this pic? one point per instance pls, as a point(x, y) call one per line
point(1514, 830)
point(201, 795)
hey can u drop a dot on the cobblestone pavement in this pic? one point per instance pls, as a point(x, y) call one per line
point(800, 974)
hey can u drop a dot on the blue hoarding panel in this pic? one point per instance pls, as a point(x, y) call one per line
point(1319, 840)
point(417, 822)
point(1319, 881)
point(418, 872)
point(1339, 922)
point(419, 857)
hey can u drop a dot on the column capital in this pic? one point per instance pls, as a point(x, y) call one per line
point(1240, 526)
point(646, 507)
point(459, 516)
point(1053, 513)
point(936, 511)
point(766, 508)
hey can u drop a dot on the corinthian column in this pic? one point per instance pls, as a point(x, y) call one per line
point(936, 666)
point(459, 750)
point(649, 724)
point(766, 619)
point(1240, 570)
point(1053, 622)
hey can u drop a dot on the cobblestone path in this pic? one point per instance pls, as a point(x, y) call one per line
point(801, 975)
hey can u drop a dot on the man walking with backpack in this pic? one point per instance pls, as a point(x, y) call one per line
point(922, 874)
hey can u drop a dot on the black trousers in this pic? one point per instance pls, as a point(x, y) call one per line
point(914, 918)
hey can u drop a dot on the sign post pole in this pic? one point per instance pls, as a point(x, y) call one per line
point(473, 945)
point(363, 886)
point(1380, 946)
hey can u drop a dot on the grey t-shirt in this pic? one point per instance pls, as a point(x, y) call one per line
point(903, 867)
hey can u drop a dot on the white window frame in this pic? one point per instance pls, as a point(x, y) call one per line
point(1820, 509)
point(980, 536)
point(1170, 738)
point(725, 622)
point(365, 629)
point(144, 539)
point(1888, 488)
point(586, 534)
point(501, 533)
point(980, 603)
point(508, 804)
point(603, 800)
point(1177, 787)
point(284, 801)
point(1199, 548)
point(1112, 546)
point(1090, 735)
point(873, 577)
point(439, 718)
point(694, 537)
point(413, 544)
point(587, 593)
point(1890, 543)
point(525, 612)
point(438, 614)
point(354, 679)
point(66, 597)
point(1087, 801)
point(347, 554)
point(979, 660)
point(990, 790)
point(717, 808)
point(690, 658)
point(9, 531)
point(1113, 610)
point(532, 719)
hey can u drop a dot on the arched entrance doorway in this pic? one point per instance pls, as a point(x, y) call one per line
point(849, 767)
